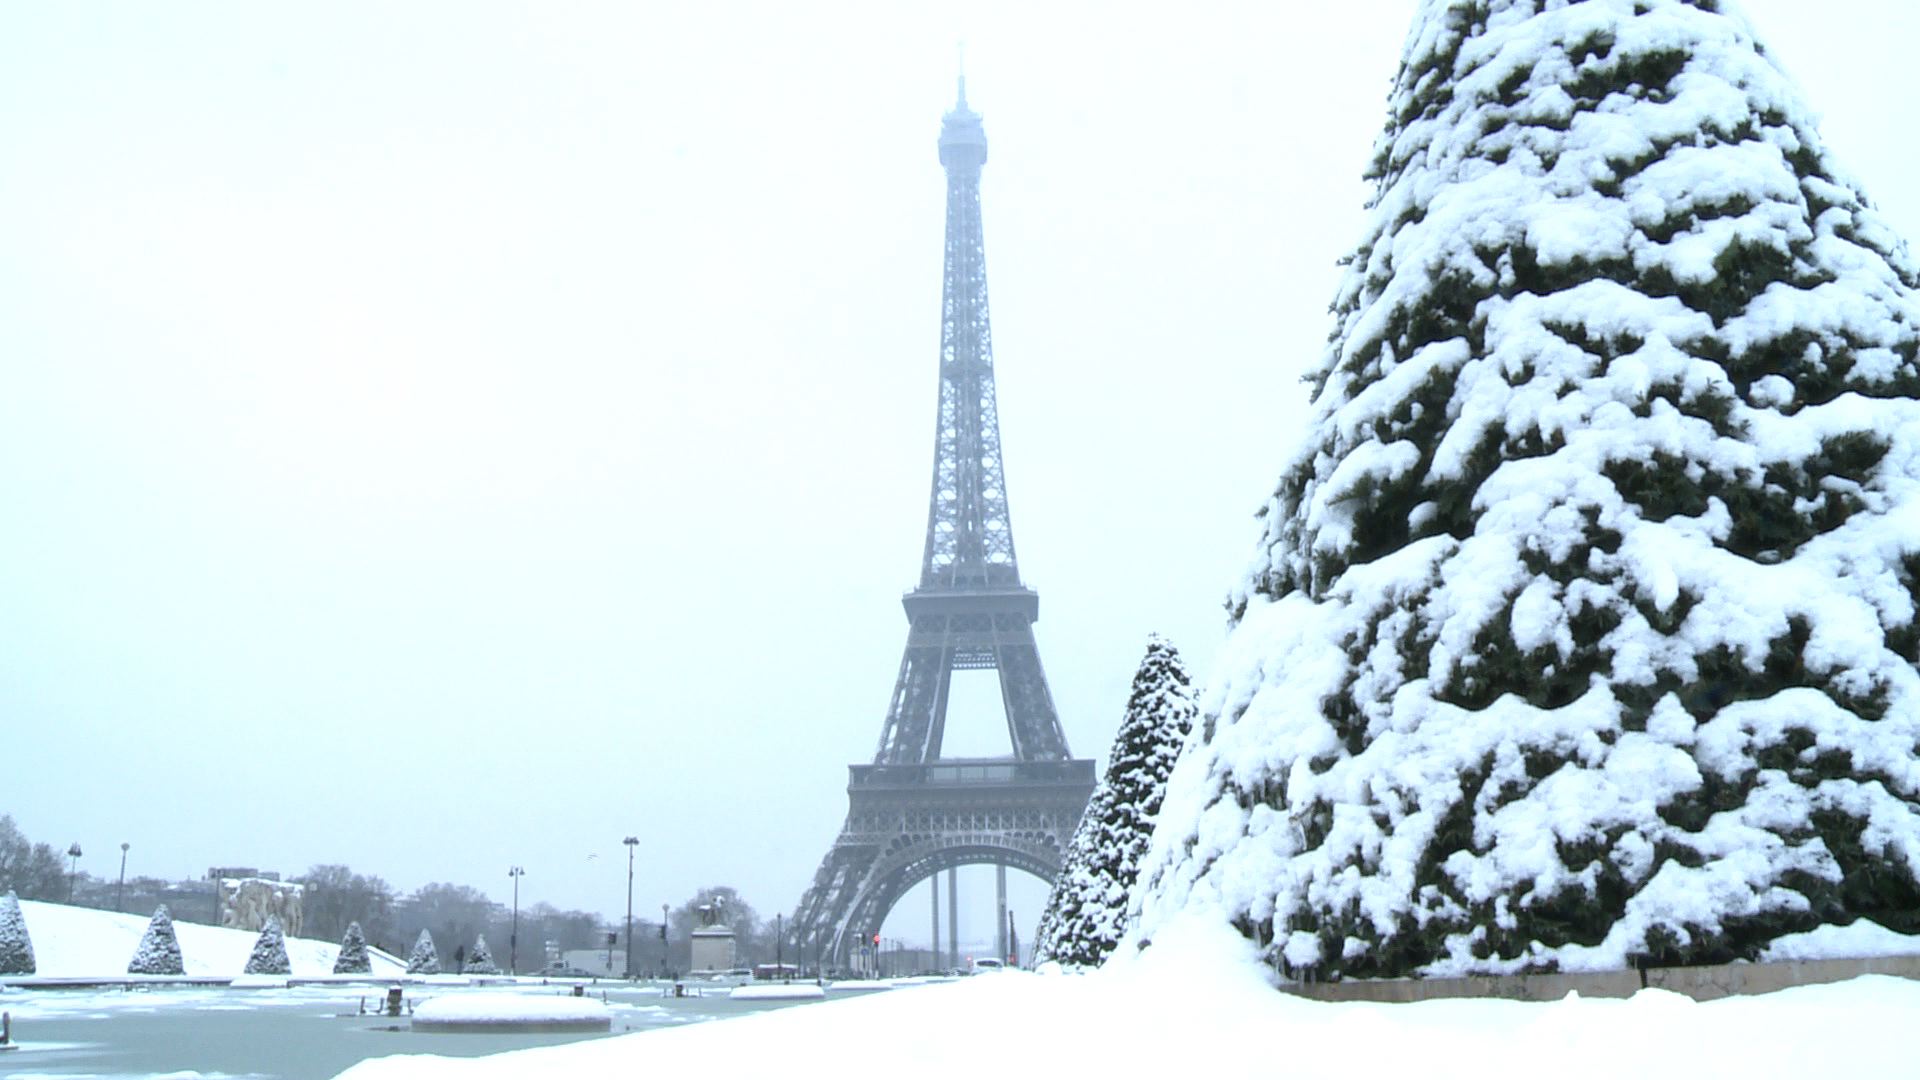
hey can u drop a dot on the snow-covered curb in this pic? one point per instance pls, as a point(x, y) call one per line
point(516, 1012)
point(860, 986)
point(778, 992)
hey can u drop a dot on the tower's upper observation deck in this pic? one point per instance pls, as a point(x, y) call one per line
point(963, 142)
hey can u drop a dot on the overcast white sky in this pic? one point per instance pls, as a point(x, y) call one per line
point(436, 437)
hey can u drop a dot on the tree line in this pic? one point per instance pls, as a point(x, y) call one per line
point(336, 896)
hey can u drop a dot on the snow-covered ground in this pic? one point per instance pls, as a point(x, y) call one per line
point(1199, 1000)
point(84, 943)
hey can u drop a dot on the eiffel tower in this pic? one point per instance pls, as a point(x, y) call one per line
point(913, 813)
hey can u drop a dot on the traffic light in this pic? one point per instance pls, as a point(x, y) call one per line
point(876, 940)
point(612, 937)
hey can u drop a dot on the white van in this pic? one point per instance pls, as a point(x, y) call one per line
point(985, 964)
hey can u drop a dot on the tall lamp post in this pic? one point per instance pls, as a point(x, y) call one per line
point(120, 893)
point(663, 939)
point(73, 872)
point(513, 936)
point(631, 842)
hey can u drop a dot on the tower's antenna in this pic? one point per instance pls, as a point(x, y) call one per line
point(962, 47)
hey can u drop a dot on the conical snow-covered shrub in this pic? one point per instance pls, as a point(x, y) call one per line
point(16, 946)
point(159, 950)
point(1087, 911)
point(269, 955)
point(1583, 630)
point(424, 959)
point(480, 960)
point(353, 958)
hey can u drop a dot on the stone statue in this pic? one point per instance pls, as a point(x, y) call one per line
point(246, 903)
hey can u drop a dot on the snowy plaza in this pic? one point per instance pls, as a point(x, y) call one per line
point(1204, 1001)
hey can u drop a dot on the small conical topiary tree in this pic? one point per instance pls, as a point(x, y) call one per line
point(1087, 912)
point(159, 950)
point(480, 960)
point(269, 955)
point(1583, 633)
point(353, 958)
point(424, 959)
point(16, 946)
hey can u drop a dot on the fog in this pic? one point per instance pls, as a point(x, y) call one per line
point(441, 437)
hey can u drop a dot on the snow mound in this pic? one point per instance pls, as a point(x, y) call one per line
point(1864, 938)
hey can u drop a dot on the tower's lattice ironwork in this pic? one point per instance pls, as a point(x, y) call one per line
point(912, 812)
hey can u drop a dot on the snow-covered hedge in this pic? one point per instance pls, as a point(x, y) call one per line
point(1087, 911)
point(1583, 628)
point(480, 960)
point(159, 950)
point(16, 945)
point(353, 958)
point(424, 959)
point(270, 951)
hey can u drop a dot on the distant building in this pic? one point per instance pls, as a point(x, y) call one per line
point(215, 873)
point(609, 961)
point(601, 963)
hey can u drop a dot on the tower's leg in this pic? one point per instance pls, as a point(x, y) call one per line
point(933, 943)
point(917, 714)
point(1000, 930)
point(1032, 723)
point(953, 918)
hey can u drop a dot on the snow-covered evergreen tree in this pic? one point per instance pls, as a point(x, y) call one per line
point(159, 950)
point(424, 959)
point(1087, 912)
point(16, 946)
point(1583, 630)
point(353, 958)
point(269, 955)
point(480, 960)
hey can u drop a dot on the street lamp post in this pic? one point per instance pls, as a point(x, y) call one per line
point(120, 893)
point(73, 872)
point(663, 939)
point(513, 936)
point(631, 842)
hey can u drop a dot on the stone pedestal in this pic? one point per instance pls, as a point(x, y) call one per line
point(713, 949)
